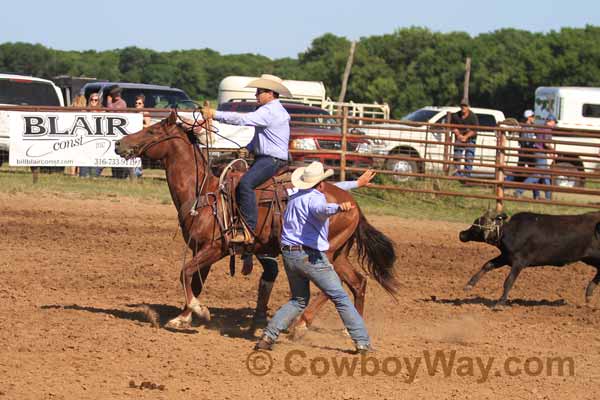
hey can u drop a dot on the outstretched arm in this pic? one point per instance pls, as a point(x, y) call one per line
point(362, 180)
point(260, 117)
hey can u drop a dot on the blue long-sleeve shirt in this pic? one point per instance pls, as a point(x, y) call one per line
point(271, 124)
point(306, 217)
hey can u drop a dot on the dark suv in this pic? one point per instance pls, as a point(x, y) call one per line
point(308, 138)
point(156, 96)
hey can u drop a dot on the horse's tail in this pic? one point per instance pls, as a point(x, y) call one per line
point(375, 252)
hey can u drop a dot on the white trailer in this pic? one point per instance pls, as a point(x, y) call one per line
point(312, 93)
point(233, 88)
point(575, 108)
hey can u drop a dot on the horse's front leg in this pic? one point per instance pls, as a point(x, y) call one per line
point(195, 269)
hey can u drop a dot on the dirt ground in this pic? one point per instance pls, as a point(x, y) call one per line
point(81, 279)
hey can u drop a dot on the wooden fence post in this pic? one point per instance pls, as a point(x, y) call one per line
point(501, 162)
point(344, 143)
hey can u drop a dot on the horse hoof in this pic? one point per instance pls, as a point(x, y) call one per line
point(299, 331)
point(500, 305)
point(178, 323)
point(468, 288)
point(588, 299)
point(203, 313)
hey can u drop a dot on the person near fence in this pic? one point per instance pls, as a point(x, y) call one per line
point(114, 101)
point(464, 138)
point(304, 241)
point(269, 145)
point(526, 158)
point(140, 102)
point(94, 102)
point(542, 160)
point(79, 102)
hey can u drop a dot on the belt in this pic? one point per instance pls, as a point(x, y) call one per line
point(296, 247)
point(278, 159)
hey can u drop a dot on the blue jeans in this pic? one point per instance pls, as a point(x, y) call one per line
point(87, 171)
point(264, 167)
point(469, 153)
point(540, 163)
point(302, 267)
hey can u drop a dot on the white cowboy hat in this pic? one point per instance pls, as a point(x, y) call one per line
point(307, 177)
point(270, 82)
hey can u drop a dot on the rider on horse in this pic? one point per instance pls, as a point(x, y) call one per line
point(269, 145)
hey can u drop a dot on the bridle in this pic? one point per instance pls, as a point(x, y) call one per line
point(190, 132)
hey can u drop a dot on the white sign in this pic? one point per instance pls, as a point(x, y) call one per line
point(226, 136)
point(70, 138)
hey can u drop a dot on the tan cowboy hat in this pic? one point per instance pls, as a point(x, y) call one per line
point(270, 82)
point(307, 177)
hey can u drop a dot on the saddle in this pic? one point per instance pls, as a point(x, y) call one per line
point(271, 195)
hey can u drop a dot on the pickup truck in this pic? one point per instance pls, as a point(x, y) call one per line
point(425, 153)
point(20, 90)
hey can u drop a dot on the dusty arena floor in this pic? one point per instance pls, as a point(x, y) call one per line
point(80, 280)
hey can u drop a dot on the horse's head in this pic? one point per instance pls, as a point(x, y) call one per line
point(154, 141)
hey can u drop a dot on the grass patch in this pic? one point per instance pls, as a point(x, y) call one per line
point(153, 190)
point(372, 201)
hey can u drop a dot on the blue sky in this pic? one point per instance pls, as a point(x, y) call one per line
point(271, 28)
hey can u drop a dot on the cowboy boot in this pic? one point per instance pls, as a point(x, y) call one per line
point(265, 343)
point(264, 293)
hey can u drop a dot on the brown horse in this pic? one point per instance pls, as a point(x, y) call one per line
point(193, 186)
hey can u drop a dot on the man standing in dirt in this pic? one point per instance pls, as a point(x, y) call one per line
point(304, 241)
point(464, 138)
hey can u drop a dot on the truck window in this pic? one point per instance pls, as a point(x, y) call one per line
point(591, 110)
point(486, 120)
point(420, 115)
point(27, 93)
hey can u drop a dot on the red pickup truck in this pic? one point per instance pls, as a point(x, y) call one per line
point(323, 138)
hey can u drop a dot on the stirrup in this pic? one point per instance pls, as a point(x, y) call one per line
point(242, 236)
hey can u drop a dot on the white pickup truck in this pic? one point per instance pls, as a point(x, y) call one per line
point(430, 151)
point(19, 90)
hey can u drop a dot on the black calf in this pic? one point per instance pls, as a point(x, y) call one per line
point(531, 240)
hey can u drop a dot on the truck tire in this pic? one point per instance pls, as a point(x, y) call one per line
point(402, 166)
